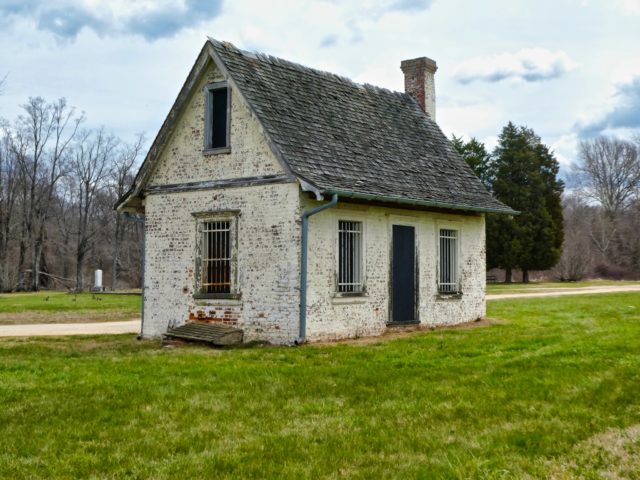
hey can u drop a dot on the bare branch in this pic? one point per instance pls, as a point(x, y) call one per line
point(610, 172)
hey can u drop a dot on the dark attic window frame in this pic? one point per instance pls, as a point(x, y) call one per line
point(210, 90)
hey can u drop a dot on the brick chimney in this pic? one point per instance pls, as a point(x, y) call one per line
point(419, 82)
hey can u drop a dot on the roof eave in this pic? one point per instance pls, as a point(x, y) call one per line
point(129, 203)
point(422, 203)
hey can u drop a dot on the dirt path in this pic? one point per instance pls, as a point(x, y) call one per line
point(133, 326)
point(25, 318)
point(566, 291)
point(59, 329)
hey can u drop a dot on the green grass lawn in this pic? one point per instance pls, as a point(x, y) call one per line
point(57, 307)
point(538, 286)
point(548, 392)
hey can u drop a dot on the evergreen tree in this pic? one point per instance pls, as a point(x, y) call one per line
point(525, 178)
point(476, 155)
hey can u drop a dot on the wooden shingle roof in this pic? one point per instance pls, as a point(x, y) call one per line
point(338, 136)
point(344, 137)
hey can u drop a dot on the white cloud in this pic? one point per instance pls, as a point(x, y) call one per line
point(128, 83)
point(466, 119)
point(566, 149)
point(528, 65)
point(630, 6)
point(624, 114)
point(150, 19)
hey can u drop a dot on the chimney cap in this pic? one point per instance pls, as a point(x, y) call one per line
point(419, 63)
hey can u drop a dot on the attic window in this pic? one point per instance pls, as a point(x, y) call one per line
point(217, 115)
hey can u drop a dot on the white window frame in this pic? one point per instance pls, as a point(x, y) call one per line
point(451, 287)
point(359, 287)
point(202, 219)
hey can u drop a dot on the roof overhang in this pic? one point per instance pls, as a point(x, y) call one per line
point(428, 204)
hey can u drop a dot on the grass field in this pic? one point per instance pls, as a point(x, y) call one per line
point(552, 391)
point(60, 307)
point(541, 286)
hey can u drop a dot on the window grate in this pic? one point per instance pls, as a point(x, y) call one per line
point(448, 261)
point(350, 257)
point(216, 257)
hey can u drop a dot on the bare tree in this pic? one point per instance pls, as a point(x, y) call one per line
point(40, 141)
point(90, 167)
point(121, 179)
point(65, 225)
point(576, 261)
point(58, 185)
point(609, 171)
point(8, 195)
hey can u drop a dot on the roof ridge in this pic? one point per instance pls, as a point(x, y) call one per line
point(298, 67)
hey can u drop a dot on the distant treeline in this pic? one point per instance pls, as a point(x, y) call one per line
point(589, 229)
point(58, 184)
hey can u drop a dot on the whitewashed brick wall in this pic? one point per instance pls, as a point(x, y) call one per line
point(269, 245)
point(267, 255)
point(182, 159)
point(268, 229)
point(330, 316)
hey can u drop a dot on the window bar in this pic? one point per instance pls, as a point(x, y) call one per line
point(350, 252)
point(212, 254)
point(227, 263)
point(217, 256)
point(340, 259)
point(360, 253)
point(346, 259)
point(455, 262)
point(217, 240)
point(357, 268)
point(448, 263)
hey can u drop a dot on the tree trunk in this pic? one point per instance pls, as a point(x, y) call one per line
point(3, 269)
point(35, 265)
point(79, 265)
point(525, 276)
point(20, 284)
point(507, 275)
point(116, 252)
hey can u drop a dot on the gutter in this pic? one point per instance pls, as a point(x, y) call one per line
point(303, 264)
point(422, 203)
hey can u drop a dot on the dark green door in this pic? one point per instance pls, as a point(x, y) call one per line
point(403, 274)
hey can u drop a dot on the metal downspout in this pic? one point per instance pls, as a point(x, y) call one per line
point(303, 264)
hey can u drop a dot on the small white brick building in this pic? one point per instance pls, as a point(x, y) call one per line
point(297, 205)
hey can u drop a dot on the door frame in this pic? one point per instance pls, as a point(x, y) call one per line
point(406, 221)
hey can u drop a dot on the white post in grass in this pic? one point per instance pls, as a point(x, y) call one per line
point(97, 281)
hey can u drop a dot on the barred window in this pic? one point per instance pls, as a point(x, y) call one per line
point(448, 261)
point(350, 257)
point(216, 257)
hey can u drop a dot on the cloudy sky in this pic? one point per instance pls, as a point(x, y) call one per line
point(569, 69)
